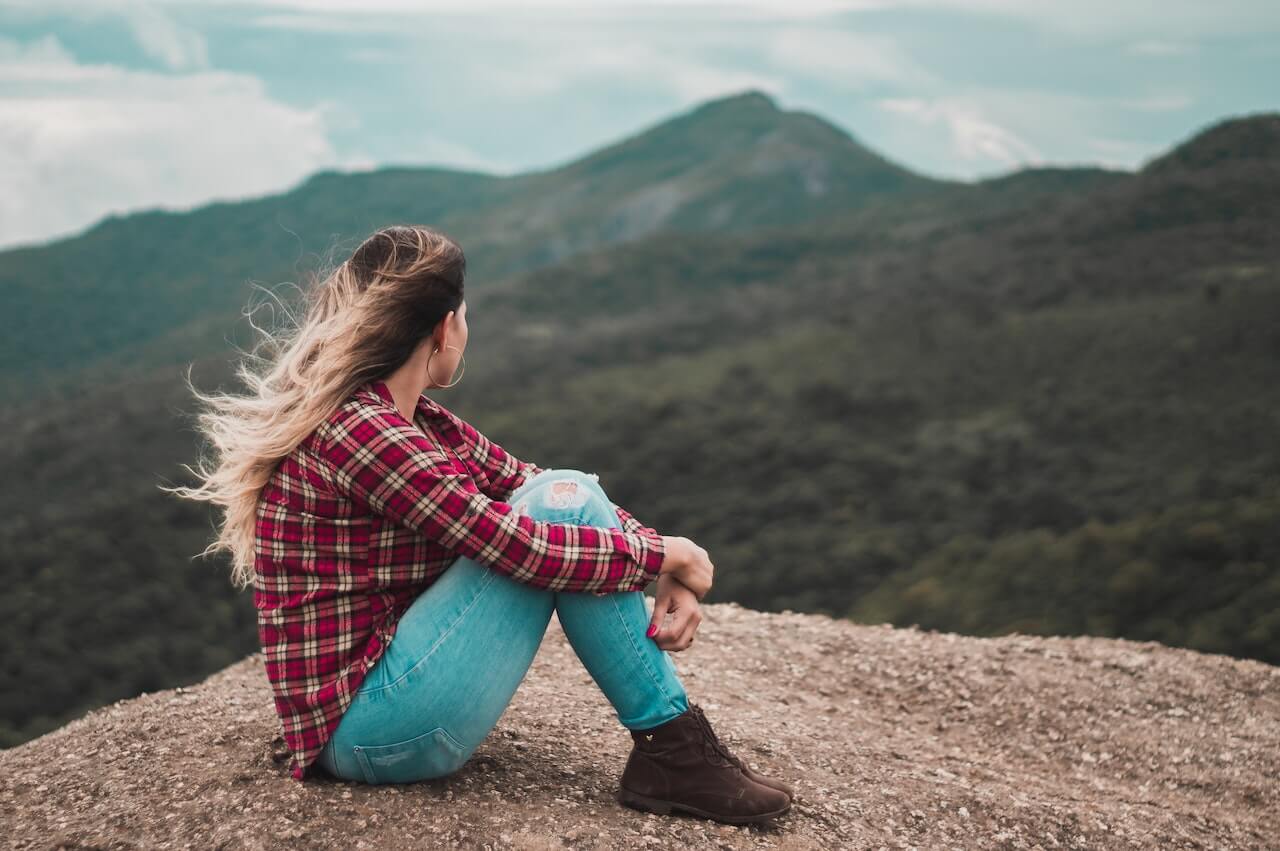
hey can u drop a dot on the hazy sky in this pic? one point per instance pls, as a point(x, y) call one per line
point(117, 106)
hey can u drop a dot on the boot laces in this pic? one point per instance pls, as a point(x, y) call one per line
point(712, 747)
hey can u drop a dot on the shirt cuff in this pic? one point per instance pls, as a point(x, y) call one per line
point(651, 561)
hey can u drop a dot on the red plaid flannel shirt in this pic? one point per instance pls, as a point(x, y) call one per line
point(365, 514)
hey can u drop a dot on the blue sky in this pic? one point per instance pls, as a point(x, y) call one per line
point(119, 106)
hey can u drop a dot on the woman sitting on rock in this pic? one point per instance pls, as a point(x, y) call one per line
point(362, 511)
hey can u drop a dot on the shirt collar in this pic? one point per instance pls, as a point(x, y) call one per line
point(425, 407)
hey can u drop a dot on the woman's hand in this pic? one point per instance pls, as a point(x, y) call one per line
point(688, 563)
point(674, 599)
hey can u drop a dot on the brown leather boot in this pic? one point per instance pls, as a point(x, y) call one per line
point(742, 766)
point(681, 765)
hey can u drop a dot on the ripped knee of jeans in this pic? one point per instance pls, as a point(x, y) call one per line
point(565, 493)
point(558, 492)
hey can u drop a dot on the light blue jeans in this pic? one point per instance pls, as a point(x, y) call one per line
point(463, 646)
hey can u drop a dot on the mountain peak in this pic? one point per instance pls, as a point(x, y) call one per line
point(750, 99)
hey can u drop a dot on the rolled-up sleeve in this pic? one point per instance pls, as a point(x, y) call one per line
point(383, 463)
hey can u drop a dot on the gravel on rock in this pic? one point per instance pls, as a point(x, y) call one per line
point(894, 738)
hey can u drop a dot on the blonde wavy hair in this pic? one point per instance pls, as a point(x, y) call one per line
point(362, 320)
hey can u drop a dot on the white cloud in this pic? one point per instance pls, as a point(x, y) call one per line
point(374, 56)
point(770, 8)
point(1154, 47)
point(1118, 153)
point(1171, 102)
point(848, 59)
point(438, 151)
point(327, 23)
point(162, 38)
point(1017, 126)
point(1139, 19)
point(530, 53)
point(40, 55)
point(80, 141)
point(1152, 25)
point(974, 136)
point(342, 16)
point(153, 29)
point(694, 81)
point(562, 60)
point(1145, 19)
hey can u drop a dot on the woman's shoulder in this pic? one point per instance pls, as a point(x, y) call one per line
point(370, 411)
point(363, 410)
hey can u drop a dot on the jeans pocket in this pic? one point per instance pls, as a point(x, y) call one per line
point(434, 753)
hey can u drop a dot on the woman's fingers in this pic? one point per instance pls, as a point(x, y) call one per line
point(669, 636)
point(661, 605)
point(691, 627)
point(678, 634)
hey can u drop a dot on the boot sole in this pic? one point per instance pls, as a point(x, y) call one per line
point(664, 808)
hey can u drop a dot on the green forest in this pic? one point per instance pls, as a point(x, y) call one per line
point(1046, 402)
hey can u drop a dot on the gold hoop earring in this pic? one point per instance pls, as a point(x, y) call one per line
point(462, 362)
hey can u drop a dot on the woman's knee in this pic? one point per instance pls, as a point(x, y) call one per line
point(559, 489)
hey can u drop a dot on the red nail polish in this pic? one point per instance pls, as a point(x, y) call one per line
point(652, 630)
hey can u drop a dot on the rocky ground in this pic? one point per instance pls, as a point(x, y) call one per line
point(894, 738)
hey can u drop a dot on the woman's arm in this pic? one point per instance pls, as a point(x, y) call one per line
point(629, 523)
point(387, 466)
point(504, 471)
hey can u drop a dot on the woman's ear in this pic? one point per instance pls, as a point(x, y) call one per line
point(437, 338)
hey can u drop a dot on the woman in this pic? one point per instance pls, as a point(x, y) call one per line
point(405, 567)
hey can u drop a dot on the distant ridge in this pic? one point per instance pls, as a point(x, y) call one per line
point(727, 166)
point(1238, 139)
